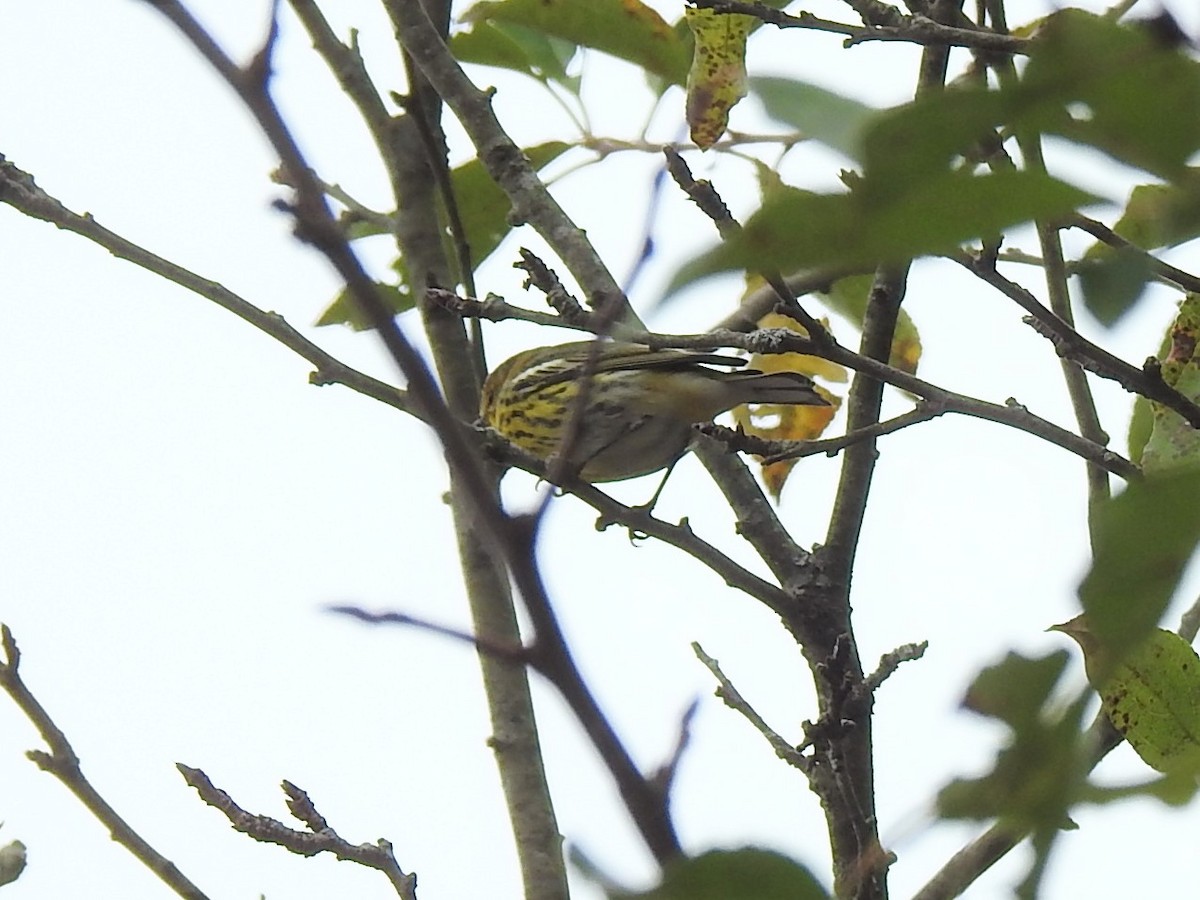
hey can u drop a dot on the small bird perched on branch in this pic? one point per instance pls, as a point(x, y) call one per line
point(640, 405)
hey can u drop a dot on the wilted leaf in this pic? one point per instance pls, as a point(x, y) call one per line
point(717, 78)
point(725, 874)
point(906, 345)
point(1173, 444)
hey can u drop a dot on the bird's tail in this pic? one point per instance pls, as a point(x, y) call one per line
point(775, 387)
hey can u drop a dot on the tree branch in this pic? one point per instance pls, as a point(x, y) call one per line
point(63, 764)
point(513, 538)
point(842, 751)
point(885, 24)
point(735, 701)
point(18, 190)
point(1071, 344)
point(1183, 280)
point(503, 159)
point(319, 839)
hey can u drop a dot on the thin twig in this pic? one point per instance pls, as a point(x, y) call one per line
point(1071, 344)
point(378, 856)
point(889, 25)
point(891, 661)
point(777, 340)
point(776, 451)
point(513, 537)
point(843, 771)
point(546, 280)
point(962, 869)
point(18, 190)
point(735, 701)
point(638, 520)
point(63, 764)
point(1054, 268)
point(705, 196)
point(506, 652)
point(965, 866)
point(1184, 280)
point(665, 776)
point(503, 159)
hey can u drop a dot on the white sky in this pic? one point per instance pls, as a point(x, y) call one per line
point(180, 505)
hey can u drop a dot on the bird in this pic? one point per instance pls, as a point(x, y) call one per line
point(641, 402)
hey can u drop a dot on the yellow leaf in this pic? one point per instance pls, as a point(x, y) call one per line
point(906, 345)
point(848, 296)
point(795, 423)
point(813, 366)
point(717, 80)
point(774, 422)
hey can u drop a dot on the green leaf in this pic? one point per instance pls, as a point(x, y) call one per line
point(1112, 284)
point(1151, 694)
point(796, 229)
point(1116, 88)
point(1088, 79)
point(1042, 770)
point(483, 209)
point(834, 120)
point(1174, 444)
point(515, 47)
point(1143, 540)
point(1158, 215)
point(1016, 689)
point(1153, 698)
point(626, 29)
point(359, 228)
point(903, 145)
point(724, 874)
point(848, 296)
point(1141, 422)
point(344, 311)
point(1175, 789)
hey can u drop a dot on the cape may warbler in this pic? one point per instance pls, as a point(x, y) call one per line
point(641, 403)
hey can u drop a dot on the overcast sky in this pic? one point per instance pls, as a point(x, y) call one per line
point(180, 506)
